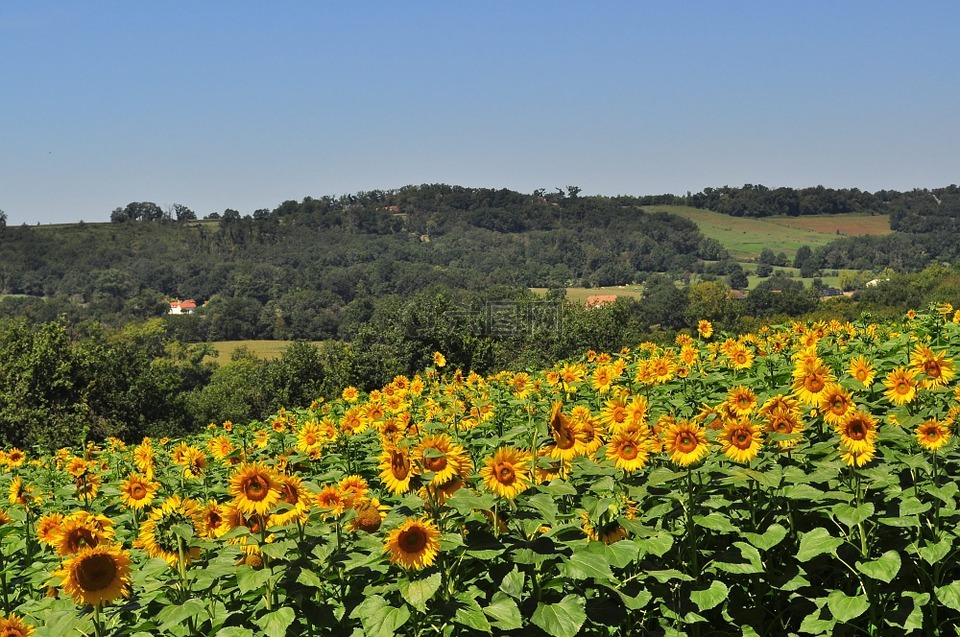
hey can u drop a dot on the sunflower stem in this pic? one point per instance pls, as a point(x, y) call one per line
point(97, 621)
point(3, 582)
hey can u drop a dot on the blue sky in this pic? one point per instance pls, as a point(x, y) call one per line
point(243, 105)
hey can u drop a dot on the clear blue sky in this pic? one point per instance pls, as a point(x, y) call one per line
point(246, 104)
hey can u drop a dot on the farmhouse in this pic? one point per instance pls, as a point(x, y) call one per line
point(182, 307)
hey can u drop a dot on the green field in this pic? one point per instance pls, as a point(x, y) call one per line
point(580, 295)
point(746, 237)
point(262, 349)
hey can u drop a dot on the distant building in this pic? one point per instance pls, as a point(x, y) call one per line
point(182, 307)
point(597, 300)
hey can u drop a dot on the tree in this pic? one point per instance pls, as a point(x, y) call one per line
point(738, 278)
point(3, 219)
point(182, 213)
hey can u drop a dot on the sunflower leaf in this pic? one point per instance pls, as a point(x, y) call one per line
point(949, 595)
point(563, 619)
point(504, 612)
point(715, 522)
point(250, 579)
point(380, 619)
point(175, 615)
point(852, 516)
point(710, 597)
point(418, 592)
point(769, 539)
point(588, 563)
point(884, 568)
point(844, 607)
point(275, 623)
point(470, 614)
point(512, 583)
point(933, 553)
point(817, 542)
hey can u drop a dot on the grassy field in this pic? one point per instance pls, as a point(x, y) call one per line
point(746, 237)
point(580, 295)
point(262, 349)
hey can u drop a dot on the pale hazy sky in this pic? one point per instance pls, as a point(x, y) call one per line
point(246, 104)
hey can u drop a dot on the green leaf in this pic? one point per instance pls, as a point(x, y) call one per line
point(914, 620)
point(770, 538)
point(418, 592)
point(504, 612)
point(852, 516)
point(884, 568)
point(802, 492)
point(621, 554)
point(380, 619)
point(171, 616)
point(666, 575)
point(563, 619)
point(512, 584)
point(275, 623)
point(279, 550)
point(715, 522)
point(910, 505)
point(470, 614)
point(710, 597)
point(546, 505)
point(234, 631)
point(844, 607)
point(949, 595)
point(308, 578)
point(656, 545)
point(588, 563)
point(817, 542)
point(933, 553)
point(558, 488)
point(250, 579)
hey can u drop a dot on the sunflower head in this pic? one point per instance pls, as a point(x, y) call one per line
point(932, 434)
point(13, 626)
point(96, 575)
point(255, 488)
point(685, 442)
point(507, 472)
point(414, 545)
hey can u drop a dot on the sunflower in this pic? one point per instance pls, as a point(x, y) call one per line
point(293, 494)
point(76, 467)
point(220, 447)
point(96, 575)
point(83, 530)
point(740, 356)
point(439, 455)
point(439, 360)
point(740, 440)
point(413, 545)
point(48, 530)
point(784, 422)
point(858, 431)
point(520, 385)
point(571, 374)
point(933, 368)
point(861, 369)
point(20, 493)
point(901, 386)
point(254, 488)
point(137, 492)
point(354, 489)
point(629, 450)
point(13, 626)
point(685, 442)
point(741, 400)
point(213, 523)
point(565, 432)
point(663, 368)
point(614, 413)
point(254, 524)
point(14, 458)
point(157, 535)
point(507, 472)
point(857, 458)
point(810, 378)
point(704, 328)
point(932, 434)
point(835, 403)
point(396, 469)
point(370, 515)
point(602, 379)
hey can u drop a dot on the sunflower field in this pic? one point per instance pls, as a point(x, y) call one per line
point(799, 480)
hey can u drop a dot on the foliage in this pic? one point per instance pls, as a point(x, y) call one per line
point(708, 486)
